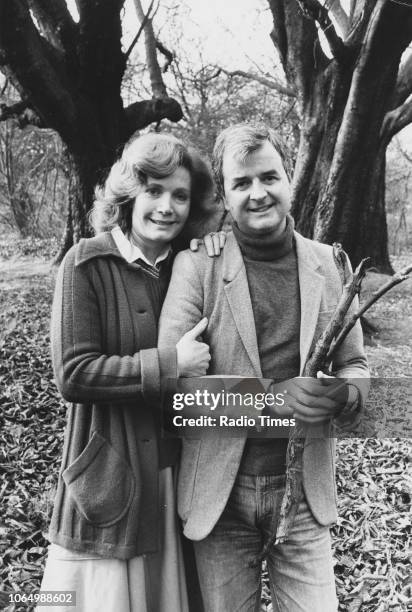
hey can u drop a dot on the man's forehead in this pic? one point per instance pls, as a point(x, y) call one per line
point(263, 159)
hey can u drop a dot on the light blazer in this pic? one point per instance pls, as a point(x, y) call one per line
point(217, 288)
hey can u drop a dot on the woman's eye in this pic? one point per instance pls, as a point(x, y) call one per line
point(182, 196)
point(153, 191)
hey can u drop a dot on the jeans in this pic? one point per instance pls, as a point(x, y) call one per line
point(300, 570)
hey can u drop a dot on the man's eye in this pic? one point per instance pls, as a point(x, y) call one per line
point(241, 185)
point(270, 178)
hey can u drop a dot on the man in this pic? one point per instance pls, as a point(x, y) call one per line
point(267, 299)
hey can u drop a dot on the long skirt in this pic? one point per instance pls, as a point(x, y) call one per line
point(148, 583)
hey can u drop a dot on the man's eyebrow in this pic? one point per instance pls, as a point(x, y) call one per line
point(239, 178)
point(274, 171)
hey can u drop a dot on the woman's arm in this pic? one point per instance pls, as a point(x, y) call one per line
point(82, 370)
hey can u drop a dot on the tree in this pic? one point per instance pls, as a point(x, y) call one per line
point(69, 77)
point(32, 180)
point(351, 105)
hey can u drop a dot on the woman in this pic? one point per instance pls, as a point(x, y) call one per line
point(113, 530)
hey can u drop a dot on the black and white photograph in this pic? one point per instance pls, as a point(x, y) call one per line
point(205, 305)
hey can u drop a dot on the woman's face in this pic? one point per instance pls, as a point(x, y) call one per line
point(160, 209)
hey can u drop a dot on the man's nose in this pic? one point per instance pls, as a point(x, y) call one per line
point(257, 191)
point(164, 204)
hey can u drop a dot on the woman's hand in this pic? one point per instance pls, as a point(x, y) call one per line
point(214, 243)
point(193, 356)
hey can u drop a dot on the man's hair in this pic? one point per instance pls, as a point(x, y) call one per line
point(241, 140)
point(150, 155)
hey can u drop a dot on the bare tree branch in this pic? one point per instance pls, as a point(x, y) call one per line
point(140, 114)
point(316, 11)
point(397, 278)
point(341, 18)
point(26, 59)
point(168, 54)
point(57, 25)
point(14, 110)
point(140, 30)
point(270, 83)
point(3, 89)
point(296, 39)
point(404, 82)
point(156, 80)
point(395, 120)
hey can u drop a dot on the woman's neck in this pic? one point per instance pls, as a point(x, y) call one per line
point(151, 250)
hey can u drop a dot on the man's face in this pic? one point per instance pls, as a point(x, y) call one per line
point(257, 191)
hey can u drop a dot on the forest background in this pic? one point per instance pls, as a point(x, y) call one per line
point(191, 69)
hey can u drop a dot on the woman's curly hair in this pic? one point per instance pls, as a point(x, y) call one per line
point(149, 155)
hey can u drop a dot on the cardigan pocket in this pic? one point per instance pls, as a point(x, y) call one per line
point(100, 482)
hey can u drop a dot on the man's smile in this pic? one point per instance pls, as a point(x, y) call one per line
point(261, 209)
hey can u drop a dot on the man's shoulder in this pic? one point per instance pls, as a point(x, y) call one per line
point(319, 252)
point(201, 262)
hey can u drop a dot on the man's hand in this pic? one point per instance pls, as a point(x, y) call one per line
point(214, 243)
point(193, 356)
point(314, 400)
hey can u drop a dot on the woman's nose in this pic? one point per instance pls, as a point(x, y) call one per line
point(257, 191)
point(164, 204)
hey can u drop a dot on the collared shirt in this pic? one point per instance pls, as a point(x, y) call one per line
point(130, 252)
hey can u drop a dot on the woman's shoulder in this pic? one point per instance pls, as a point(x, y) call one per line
point(88, 249)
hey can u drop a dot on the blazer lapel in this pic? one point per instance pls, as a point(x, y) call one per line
point(311, 285)
point(238, 296)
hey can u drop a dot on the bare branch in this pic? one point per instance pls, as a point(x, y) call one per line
point(319, 359)
point(168, 55)
point(340, 16)
point(26, 60)
point(156, 80)
point(4, 88)
point(316, 11)
point(297, 42)
point(140, 30)
point(14, 110)
point(395, 120)
point(397, 278)
point(270, 83)
point(141, 114)
point(404, 82)
point(57, 25)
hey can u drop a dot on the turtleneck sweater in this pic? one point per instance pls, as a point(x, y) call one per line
point(271, 267)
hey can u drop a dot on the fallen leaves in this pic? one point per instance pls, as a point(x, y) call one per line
point(371, 539)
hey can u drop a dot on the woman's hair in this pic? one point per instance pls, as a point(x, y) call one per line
point(149, 155)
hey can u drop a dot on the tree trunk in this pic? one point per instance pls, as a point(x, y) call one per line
point(84, 174)
point(350, 105)
point(359, 224)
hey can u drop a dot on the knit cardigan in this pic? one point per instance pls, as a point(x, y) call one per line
point(103, 331)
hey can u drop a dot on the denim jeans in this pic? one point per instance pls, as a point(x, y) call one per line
point(300, 570)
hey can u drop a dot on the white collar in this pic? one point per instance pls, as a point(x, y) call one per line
point(130, 252)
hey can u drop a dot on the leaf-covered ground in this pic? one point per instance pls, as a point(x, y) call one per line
point(371, 538)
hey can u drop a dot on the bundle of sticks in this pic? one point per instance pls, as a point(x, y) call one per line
point(335, 333)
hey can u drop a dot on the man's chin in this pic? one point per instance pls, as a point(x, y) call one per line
point(263, 229)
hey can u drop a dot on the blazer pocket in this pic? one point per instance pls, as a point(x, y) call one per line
point(100, 482)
